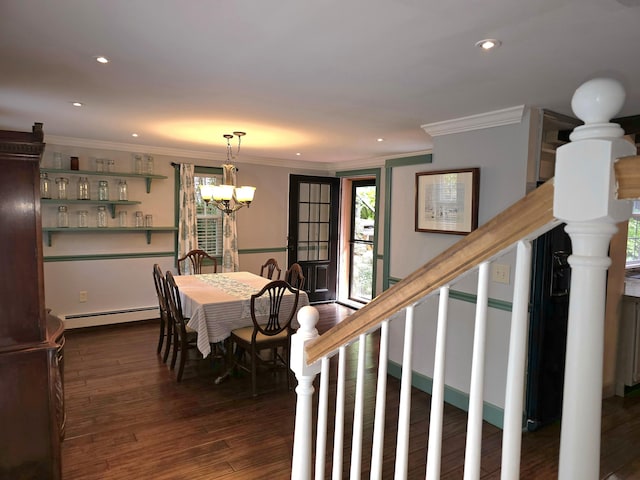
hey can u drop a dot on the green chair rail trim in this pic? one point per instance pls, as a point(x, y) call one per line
point(246, 251)
point(490, 413)
point(110, 256)
point(470, 298)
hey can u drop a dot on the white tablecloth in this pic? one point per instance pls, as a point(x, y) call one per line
point(220, 302)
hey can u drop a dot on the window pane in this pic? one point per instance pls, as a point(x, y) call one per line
point(323, 251)
point(304, 192)
point(314, 193)
point(303, 215)
point(314, 212)
point(325, 193)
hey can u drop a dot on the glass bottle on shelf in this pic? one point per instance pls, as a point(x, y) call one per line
point(110, 165)
point(148, 221)
point(45, 186)
point(83, 220)
point(63, 216)
point(149, 165)
point(102, 216)
point(62, 183)
point(57, 160)
point(139, 219)
point(122, 190)
point(83, 189)
point(103, 190)
point(137, 164)
point(122, 218)
point(100, 165)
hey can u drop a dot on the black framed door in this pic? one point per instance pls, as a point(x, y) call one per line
point(313, 233)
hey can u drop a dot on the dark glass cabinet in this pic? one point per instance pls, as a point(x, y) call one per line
point(31, 341)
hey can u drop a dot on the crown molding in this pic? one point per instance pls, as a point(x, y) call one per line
point(495, 118)
point(214, 159)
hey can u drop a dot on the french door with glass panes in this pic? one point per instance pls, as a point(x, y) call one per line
point(313, 233)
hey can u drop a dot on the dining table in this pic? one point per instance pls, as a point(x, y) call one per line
point(217, 303)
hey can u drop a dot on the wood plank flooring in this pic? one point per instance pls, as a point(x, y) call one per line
point(127, 418)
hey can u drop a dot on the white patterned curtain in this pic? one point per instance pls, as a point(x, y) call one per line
point(187, 224)
point(230, 260)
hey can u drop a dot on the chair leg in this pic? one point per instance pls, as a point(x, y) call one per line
point(167, 347)
point(176, 347)
point(254, 361)
point(161, 339)
point(183, 355)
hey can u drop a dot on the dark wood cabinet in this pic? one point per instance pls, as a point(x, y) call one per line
point(31, 341)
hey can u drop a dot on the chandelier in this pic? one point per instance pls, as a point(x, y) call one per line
point(228, 198)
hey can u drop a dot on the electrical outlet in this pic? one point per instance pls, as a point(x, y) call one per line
point(83, 297)
point(500, 272)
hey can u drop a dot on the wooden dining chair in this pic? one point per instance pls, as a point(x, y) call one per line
point(269, 268)
point(196, 259)
point(166, 328)
point(294, 277)
point(184, 338)
point(271, 330)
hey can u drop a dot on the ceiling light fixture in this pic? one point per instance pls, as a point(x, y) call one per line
point(101, 59)
point(134, 135)
point(228, 198)
point(488, 44)
point(381, 140)
point(77, 104)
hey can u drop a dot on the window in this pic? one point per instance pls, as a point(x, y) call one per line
point(209, 219)
point(633, 237)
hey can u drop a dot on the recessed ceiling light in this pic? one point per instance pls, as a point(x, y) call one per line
point(488, 43)
point(77, 104)
point(102, 59)
point(134, 135)
point(298, 154)
point(381, 139)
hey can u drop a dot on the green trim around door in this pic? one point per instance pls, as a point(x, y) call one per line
point(490, 413)
point(369, 172)
point(389, 165)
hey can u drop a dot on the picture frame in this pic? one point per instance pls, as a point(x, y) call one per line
point(447, 201)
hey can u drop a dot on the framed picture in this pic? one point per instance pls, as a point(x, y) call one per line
point(447, 201)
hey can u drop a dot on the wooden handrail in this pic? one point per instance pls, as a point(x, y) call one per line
point(532, 214)
point(628, 177)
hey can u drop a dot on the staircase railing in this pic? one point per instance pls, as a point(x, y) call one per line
point(583, 195)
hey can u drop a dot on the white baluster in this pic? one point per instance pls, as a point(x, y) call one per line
point(381, 404)
point(585, 199)
point(302, 441)
point(338, 429)
point(321, 431)
point(402, 443)
point(473, 447)
point(434, 452)
point(358, 411)
point(514, 392)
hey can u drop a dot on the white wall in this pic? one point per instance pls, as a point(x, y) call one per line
point(501, 154)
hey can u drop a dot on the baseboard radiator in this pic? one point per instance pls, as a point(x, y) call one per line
point(94, 319)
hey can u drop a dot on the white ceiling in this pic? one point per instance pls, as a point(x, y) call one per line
point(324, 78)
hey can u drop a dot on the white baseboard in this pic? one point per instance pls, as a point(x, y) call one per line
point(108, 318)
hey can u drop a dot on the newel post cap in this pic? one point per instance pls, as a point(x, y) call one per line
point(308, 319)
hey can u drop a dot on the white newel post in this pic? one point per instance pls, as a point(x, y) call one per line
point(585, 200)
point(305, 374)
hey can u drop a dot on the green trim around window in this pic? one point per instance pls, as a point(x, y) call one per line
point(490, 413)
point(112, 256)
point(369, 172)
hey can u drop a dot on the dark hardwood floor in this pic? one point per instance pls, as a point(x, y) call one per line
point(127, 418)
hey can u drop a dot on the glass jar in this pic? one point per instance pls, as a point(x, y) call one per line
point(99, 165)
point(139, 219)
point(83, 218)
point(63, 216)
point(122, 218)
point(137, 164)
point(103, 190)
point(45, 186)
point(83, 189)
point(149, 164)
point(122, 190)
point(110, 165)
point(57, 160)
point(74, 163)
point(148, 221)
point(102, 216)
point(62, 183)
